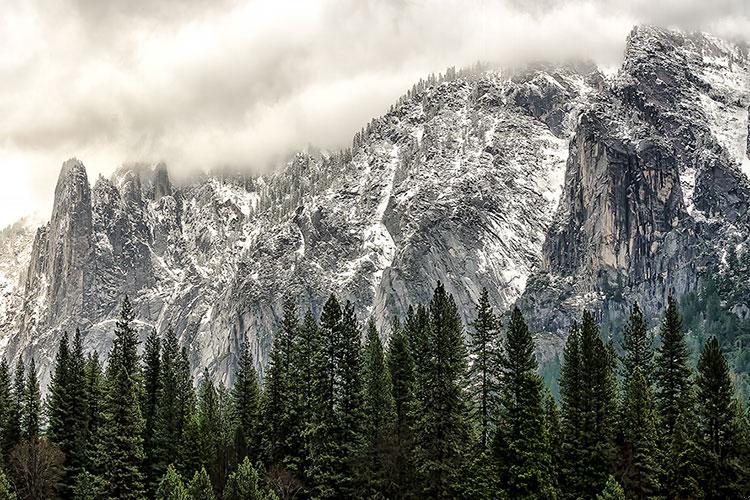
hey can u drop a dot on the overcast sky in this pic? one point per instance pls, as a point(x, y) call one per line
point(206, 83)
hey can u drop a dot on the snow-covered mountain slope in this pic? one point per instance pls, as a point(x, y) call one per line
point(546, 185)
point(15, 253)
point(458, 182)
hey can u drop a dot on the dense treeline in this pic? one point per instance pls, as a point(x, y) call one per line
point(340, 416)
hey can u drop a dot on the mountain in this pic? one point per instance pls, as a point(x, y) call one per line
point(556, 187)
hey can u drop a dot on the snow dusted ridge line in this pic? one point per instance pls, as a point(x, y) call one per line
point(458, 183)
point(462, 181)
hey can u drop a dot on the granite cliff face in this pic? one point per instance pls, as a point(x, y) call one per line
point(555, 187)
point(654, 189)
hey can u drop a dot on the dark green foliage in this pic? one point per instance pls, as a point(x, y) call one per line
point(636, 344)
point(94, 390)
point(401, 368)
point(171, 486)
point(343, 420)
point(67, 406)
point(522, 447)
point(639, 453)
point(6, 489)
point(483, 376)
point(554, 436)
point(150, 405)
point(587, 387)
point(87, 486)
point(120, 439)
point(57, 410)
point(443, 428)
point(324, 472)
point(279, 411)
point(682, 458)
point(612, 491)
point(718, 426)
point(246, 405)
point(245, 484)
point(379, 417)
point(672, 371)
point(350, 399)
point(32, 404)
point(305, 382)
point(14, 432)
point(6, 405)
point(200, 487)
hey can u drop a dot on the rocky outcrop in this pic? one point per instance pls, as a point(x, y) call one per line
point(653, 188)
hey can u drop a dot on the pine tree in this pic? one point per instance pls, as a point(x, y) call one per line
point(32, 404)
point(58, 400)
point(587, 389)
point(278, 407)
point(246, 405)
point(401, 368)
point(150, 404)
point(323, 443)
point(6, 489)
point(612, 491)
point(94, 391)
point(637, 345)
point(682, 459)
point(244, 484)
point(121, 433)
point(482, 373)
point(87, 486)
point(175, 406)
point(208, 422)
point(16, 410)
point(350, 395)
point(672, 377)
point(523, 451)
point(417, 329)
point(6, 405)
point(200, 487)
point(67, 409)
point(672, 372)
point(443, 428)
point(639, 457)
point(171, 486)
point(379, 415)
point(718, 425)
point(184, 399)
point(304, 385)
point(554, 434)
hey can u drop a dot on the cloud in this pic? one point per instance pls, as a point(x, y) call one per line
point(206, 83)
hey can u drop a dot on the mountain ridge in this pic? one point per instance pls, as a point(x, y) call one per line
point(472, 180)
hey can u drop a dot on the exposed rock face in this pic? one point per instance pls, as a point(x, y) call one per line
point(556, 187)
point(653, 187)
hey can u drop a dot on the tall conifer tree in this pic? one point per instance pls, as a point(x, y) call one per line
point(523, 449)
point(718, 426)
point(483, 350)
point(401, 368)
point(32, 404)
point(278, 406)
point(443, 427)
point(150, 404)
point(246, 406)
point(379, 416)
point(121, 434)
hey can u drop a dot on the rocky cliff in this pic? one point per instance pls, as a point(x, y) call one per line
point(654, 187)
point(556, 187)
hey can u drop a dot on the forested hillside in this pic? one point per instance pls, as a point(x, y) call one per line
point(341, 415)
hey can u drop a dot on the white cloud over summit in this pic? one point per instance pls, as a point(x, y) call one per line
point(207, 83)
